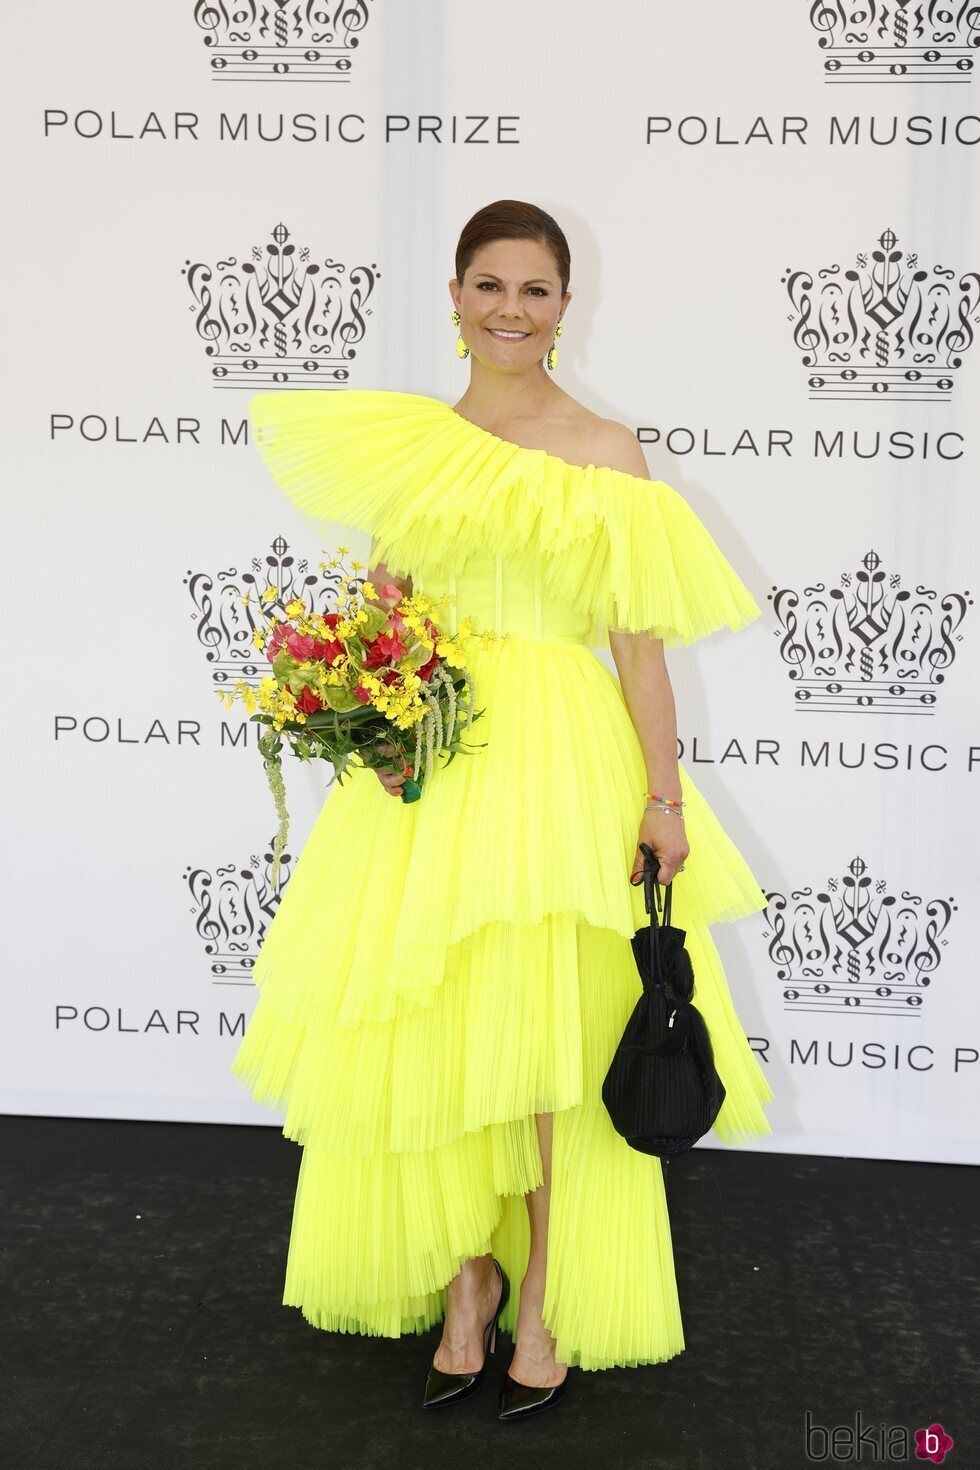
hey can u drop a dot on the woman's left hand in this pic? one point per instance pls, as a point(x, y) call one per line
point(664, 832)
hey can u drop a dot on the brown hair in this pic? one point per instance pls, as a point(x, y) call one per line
point(513, 219)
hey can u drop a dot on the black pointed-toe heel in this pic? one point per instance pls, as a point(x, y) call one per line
point(446, 1388)
point(517, 1400)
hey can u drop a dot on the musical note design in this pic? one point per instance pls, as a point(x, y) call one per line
point(869, 644)
point(885, 329)
point(897, 41)
point(282, 40)
point(856, 947)
point(280, 319)
point(233, 908)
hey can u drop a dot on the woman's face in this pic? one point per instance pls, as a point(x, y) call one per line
point(509, 303)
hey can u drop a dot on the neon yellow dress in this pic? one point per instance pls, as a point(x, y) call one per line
point(440, 971)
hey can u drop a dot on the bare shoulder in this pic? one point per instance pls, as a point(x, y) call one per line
point(603, 442)
point(618, 448)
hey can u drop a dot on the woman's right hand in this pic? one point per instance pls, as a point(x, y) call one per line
point(392, 781)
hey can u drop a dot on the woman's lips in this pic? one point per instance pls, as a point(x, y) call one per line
point(503, 335)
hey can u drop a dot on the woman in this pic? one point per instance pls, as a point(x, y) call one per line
point(445, 982)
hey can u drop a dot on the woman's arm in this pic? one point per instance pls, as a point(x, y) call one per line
point(643, 676)
point(645, 682)
point(646, 687)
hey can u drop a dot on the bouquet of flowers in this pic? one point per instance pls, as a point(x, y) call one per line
point(375, 683)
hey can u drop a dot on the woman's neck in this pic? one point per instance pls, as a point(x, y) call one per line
point(499, 400)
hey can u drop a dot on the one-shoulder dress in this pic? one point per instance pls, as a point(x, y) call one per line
point(438, 972)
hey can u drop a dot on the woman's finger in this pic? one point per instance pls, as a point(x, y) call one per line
point(664, 874)
point(392, 781)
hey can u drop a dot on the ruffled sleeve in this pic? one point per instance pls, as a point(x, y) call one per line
point(433, 489)
point(345, 457)
point(650, 564)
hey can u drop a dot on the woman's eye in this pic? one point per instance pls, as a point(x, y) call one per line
point(538, 290)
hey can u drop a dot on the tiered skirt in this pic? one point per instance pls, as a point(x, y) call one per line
point(439, 972)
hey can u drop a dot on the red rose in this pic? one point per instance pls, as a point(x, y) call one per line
point(308, 702)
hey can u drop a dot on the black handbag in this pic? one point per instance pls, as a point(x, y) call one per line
point(662, 1091)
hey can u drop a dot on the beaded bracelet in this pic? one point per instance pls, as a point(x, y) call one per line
point(664, 804)
point(664, 800)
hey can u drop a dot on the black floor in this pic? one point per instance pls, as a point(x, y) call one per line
point(143, 1327)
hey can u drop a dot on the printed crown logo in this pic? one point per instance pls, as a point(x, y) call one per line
point(280, 317)
point(851, 949)
point(225, 620)
point(877, 42)
point(869, 643)
point(883, 328)
point(233, 909)
point(279, 40)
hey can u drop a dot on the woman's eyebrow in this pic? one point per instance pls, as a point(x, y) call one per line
point(535, 281)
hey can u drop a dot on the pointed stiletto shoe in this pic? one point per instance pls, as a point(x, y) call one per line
point(446, 1388)
point(518, 1400)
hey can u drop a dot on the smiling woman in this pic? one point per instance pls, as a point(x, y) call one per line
point(501, 304)
point(439, 1012)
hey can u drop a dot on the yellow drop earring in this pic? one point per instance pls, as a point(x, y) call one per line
point(552, 357)
point(461, 348)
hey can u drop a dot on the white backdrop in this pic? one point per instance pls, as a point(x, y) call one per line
point(775, 239)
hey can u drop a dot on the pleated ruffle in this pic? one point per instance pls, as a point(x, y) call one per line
point(434, 489)
point(378, 1232)
point(426, 988)
point(375, 1238)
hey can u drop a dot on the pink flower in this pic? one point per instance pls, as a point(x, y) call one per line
point(386, 648)
point(276, 640)
point(299, 645)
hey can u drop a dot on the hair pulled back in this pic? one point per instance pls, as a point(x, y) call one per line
point(513, 219)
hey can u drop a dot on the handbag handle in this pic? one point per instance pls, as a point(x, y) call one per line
point(651, 867)
point(652, 900)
